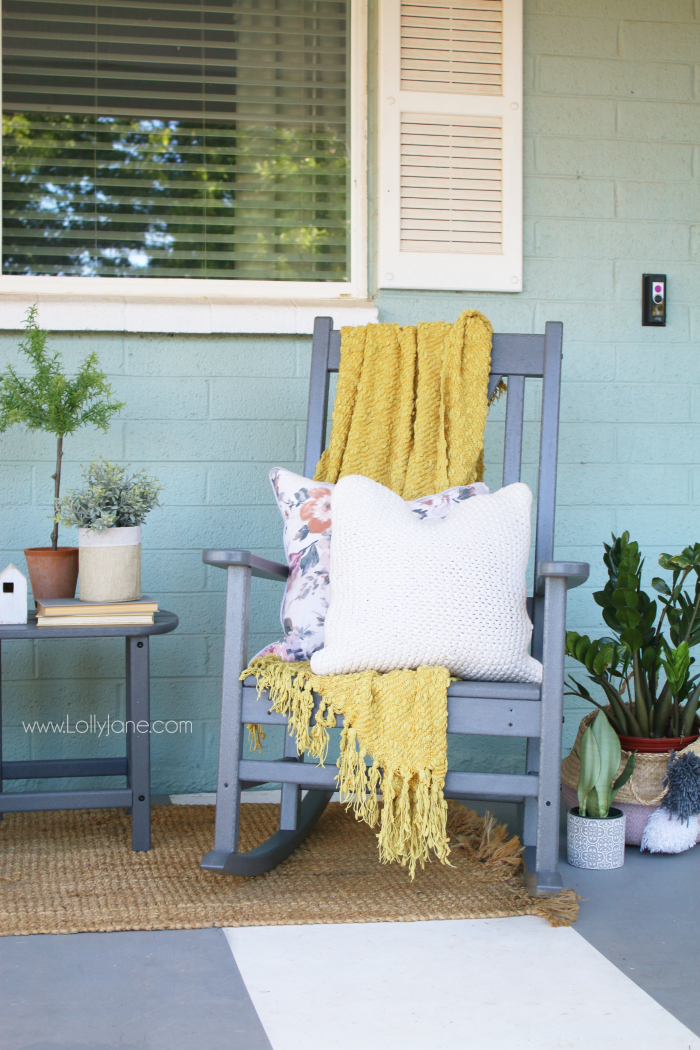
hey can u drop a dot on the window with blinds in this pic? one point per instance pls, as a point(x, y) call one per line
point(176, 138)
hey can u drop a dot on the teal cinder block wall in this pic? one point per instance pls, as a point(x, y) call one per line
point(612, 190)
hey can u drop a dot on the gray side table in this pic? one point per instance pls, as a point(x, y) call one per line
point(136, 766)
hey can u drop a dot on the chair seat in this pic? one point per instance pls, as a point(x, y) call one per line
point(481, 708)
point(496, 690)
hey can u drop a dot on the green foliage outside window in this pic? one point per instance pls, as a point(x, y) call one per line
point(110, 196)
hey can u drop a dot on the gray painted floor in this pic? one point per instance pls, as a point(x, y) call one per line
point(181, 989)
point(644, 917)
point(164, 990)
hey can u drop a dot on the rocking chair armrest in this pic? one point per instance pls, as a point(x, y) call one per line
point(262, 567)
point(574, 572)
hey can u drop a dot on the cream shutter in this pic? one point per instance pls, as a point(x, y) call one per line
point(450, 145)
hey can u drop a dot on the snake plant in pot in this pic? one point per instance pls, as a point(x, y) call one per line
point(596, 831)
point(646, 670)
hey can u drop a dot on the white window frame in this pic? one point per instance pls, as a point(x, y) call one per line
point(176, 304)
point(448, 271)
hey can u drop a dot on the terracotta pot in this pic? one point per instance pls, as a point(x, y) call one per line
point(53, 573)
point(654, 747)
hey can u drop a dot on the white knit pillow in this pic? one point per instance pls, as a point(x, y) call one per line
point(305, 506)
point(443, 592)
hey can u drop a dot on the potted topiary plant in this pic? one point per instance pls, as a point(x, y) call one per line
point(48, 400)
point(596, 831)
point(645, 671)
point(108, 513)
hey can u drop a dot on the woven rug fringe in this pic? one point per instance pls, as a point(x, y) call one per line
point(561, 910)
point(488, 841)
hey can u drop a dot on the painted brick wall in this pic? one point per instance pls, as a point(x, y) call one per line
point(612, 190)
point(209, 417)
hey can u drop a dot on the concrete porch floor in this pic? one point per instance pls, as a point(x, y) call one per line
point(184, 989)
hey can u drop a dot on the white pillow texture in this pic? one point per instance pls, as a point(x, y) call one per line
point(305, 506)
point(407, 593)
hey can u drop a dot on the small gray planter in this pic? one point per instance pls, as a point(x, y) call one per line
point(593, 843)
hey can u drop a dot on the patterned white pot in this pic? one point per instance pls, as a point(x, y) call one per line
point(593, 843)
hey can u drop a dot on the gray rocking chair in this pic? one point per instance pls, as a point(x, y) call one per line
point(491, 708)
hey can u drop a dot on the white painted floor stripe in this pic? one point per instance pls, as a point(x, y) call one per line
point(486, 984)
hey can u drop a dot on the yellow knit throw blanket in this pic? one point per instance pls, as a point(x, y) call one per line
point(411, 404)
point(410, 413)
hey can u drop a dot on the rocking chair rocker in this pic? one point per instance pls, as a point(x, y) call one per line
point(479, 708)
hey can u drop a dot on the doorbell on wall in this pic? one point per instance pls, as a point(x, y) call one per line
point(654, 299)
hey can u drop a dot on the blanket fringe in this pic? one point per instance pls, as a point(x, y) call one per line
point(501, 389)
point(256, 735)
point(413, 820)
point(413, 816)
point(291, 696)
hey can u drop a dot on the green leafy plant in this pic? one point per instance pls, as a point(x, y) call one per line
point(644, 673)
point(110, 498)
point(600, 760)
point(48, 400)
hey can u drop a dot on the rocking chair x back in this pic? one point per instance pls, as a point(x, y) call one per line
point(481, 708)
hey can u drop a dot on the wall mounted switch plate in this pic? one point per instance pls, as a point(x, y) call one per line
point(654, 299)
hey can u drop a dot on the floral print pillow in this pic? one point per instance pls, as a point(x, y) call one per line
point(305, 507)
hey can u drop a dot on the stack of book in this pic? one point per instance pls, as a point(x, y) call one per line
point(71, 612)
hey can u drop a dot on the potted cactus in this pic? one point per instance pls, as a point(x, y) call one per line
point(596, 831)
point(646, 670)
point(109, 512)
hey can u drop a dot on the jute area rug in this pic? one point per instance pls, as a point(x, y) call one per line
point(74, 872)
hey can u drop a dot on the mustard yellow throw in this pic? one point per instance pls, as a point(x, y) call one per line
point(410, 413)
point(411, 405)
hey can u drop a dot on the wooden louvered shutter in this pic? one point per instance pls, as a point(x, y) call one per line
point(450, 145)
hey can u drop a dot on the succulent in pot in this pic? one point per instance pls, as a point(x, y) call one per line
point(49, 400)
point(595, 830)
point(108, 512)
point(645, 670)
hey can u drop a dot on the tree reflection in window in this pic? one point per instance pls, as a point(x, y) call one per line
point(111, 196)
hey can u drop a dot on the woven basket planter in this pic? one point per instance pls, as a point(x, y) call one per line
point(639, 797)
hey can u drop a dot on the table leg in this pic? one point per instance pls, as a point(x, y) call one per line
point(138, 750)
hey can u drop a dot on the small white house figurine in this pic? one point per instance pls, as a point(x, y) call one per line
point(13, 596)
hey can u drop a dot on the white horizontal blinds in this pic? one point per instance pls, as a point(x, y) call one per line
point(452, 47)
point(451, 184)
point(177, 138)
point(450, 145)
